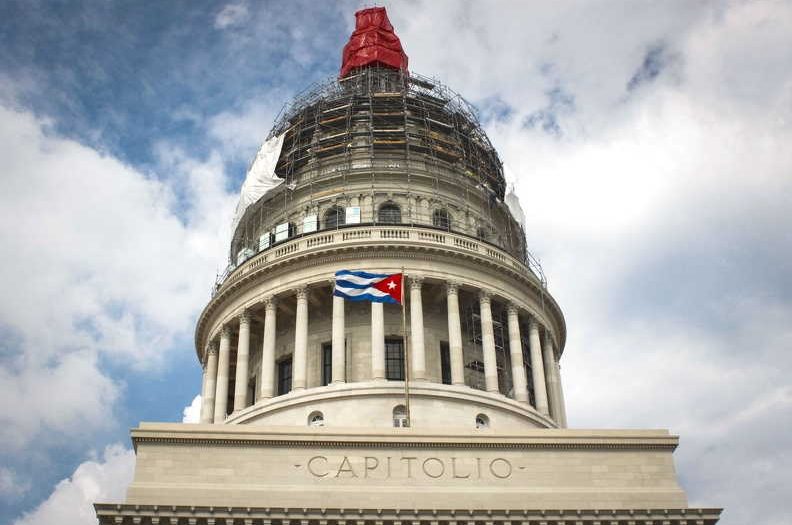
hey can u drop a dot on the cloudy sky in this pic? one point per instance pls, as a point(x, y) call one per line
point(650, 144)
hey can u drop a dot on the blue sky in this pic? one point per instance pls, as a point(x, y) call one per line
point(648, 143)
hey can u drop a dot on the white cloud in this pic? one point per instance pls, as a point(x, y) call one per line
point(231, 15)
point(241, 132)
point(94, 258)
point(192, 413)
point(104, 479)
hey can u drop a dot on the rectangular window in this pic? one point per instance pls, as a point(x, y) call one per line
point(264, 241)
point(394, 359)
point(445, 363)
point(327, 363)
point(282, 232)
point(352, 215)
point(252, 391)
point(310, 224)
point(284, 375)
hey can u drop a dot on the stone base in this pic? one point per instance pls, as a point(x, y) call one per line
point(267, 474)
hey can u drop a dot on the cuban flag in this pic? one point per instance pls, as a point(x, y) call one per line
point(365, 286)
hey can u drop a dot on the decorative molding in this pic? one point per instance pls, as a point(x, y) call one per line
point(115, 514)
point(244, 317)
point(317, 442)
point(270, 302)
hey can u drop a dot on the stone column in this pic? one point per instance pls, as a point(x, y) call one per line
point(208, 402)
point(551, 377)
point(519, 381)
point(268, 349)
point(339, 350)
point(455, 335)
point(537, 368)
point(204, 379)
point(377, 341)
point(223, 362)
point(488, 344)
point(561, 402)
point(243, 358)
point(300, 361)
point(417, 331)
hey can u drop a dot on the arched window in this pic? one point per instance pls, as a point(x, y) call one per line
point(316, 419)
point(482, 421)
point(400, 417)
point(441, 219)
point(334, 217)
point(389, 213)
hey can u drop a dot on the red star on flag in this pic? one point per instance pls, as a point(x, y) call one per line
point(391, 285)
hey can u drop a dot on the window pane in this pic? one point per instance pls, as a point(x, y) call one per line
point(284, 376)
point(327, 363)
point(389, 214)
point(445, 363)
point(334, 217)
point(394, 359)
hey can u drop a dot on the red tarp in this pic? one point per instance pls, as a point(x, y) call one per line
point(373, 42)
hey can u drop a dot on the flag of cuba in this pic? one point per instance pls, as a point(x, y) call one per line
point(355, 285)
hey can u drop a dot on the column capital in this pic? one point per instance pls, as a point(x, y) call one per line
point(225, 331)
point(452, 287)
point(270, 302)
point(211, 348)
point(533, 323)
point(416, 281)
point(244, 317)
point(301, 293)
point(512, 309)
point(485, 296)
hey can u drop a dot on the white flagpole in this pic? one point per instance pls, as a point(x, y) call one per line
point(406, 353)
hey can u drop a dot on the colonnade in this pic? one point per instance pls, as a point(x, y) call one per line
point(548, 393)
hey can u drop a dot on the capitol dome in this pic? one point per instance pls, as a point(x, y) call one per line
point(380, 170)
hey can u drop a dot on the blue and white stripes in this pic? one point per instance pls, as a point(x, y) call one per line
point(365, 286)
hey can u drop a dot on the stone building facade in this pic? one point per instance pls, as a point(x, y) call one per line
point(319, 411)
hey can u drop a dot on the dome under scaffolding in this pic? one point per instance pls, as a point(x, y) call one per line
point(380, 122)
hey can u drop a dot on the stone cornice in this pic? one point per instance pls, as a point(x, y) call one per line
point(118, 514)
point(328, 437)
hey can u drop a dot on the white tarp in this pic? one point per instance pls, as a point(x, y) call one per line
point(260, 177)
point(513, 203)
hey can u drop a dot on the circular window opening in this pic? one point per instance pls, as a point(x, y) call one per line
point(482, 421)
point(316, 419)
